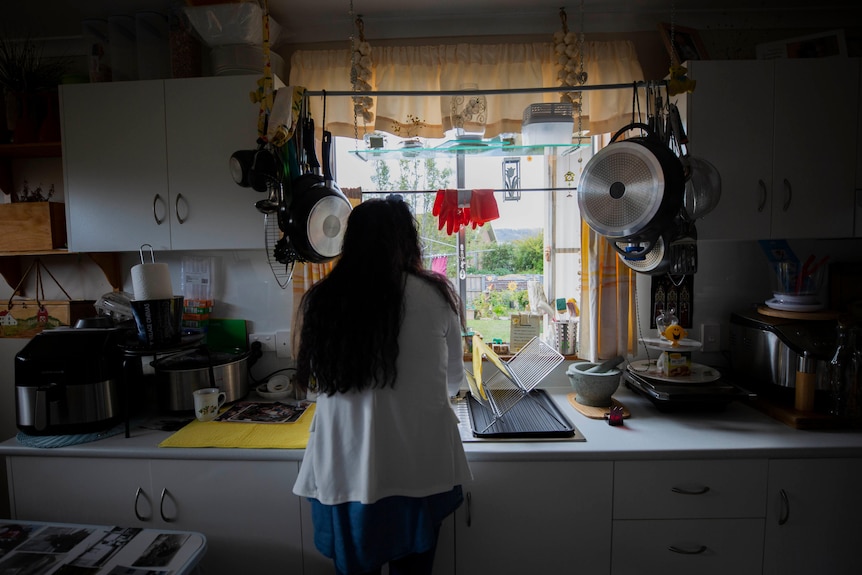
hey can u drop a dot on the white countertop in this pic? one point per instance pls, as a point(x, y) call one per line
point(739, 431)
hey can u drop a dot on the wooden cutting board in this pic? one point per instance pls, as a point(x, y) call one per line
point(824, 314)
point(596, 412)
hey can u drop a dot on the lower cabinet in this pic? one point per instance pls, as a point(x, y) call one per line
point(814, 517)
point(245, 508)
point(694, 516)
point(535, 517)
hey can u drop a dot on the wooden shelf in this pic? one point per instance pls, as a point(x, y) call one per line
point(108, 262)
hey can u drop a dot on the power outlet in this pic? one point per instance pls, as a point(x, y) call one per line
point(710, 336)
point(267, 340)
point(282, 344)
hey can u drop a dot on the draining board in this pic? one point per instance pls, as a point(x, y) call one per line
point(534, 418)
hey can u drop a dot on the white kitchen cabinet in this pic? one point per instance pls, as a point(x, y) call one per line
point(689, 516)
point(147, 163)
point(781, 134)
point(535, 517)
point(245, 508)
point(813, 517)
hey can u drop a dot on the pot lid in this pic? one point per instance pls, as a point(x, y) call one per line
point(198, 359)
point(621, 189)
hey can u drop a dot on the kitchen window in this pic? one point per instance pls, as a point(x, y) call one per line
point(536, 238)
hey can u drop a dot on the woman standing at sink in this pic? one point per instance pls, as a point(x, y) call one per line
point(381, 338)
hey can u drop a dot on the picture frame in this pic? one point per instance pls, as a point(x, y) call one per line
point(821, 45)
point(686, 44)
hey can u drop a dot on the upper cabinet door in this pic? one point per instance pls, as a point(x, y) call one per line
point(814, 169)
point(115, 166)
point(729, 123)
point(207, 120)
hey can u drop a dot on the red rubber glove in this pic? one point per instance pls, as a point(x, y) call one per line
point(483, 207)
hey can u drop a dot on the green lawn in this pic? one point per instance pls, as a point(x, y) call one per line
point(490, 328)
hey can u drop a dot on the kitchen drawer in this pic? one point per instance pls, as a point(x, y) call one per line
point(690, 489)
point(686, 546)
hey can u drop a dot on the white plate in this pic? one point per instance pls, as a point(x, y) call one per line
point(685, 344)
point(699, 373)
point(795, 298)
point(787, 306)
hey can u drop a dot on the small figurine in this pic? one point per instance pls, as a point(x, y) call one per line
point(675, 333)
point(679, 82)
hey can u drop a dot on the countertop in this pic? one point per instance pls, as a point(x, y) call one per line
point(738, 431)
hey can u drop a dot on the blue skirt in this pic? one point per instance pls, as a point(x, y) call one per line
point(362, 538)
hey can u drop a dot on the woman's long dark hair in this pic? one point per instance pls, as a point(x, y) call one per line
point(350, 320)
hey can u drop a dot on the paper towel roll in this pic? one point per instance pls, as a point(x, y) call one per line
point(152, 281)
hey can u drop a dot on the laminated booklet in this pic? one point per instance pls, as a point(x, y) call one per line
point(263, 412)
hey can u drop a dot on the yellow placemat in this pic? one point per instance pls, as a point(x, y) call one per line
point(244, 435)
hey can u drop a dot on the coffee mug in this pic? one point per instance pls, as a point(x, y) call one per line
point(207, 403)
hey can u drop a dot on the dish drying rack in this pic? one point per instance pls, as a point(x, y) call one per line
point(514, 379)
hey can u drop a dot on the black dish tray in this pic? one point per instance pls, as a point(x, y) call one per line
point(532, 417)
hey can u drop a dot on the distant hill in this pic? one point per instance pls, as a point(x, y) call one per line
point(508, 235)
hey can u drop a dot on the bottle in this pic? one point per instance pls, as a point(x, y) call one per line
point(840, 372)
point(806, 382)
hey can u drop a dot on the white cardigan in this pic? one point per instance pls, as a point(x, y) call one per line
point(394, 441)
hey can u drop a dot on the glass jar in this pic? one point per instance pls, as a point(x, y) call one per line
point(666, 318)
point(468, 113)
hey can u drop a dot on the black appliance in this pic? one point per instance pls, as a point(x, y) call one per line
point(68, 381)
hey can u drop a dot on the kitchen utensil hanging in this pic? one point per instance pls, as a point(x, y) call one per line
point(316, 217)
point(631, 191)
point(702, 179)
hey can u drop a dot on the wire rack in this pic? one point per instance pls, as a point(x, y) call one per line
point(515, 378)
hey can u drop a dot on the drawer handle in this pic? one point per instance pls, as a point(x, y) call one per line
point(138, 494)
point(785, 507)
point(469, 498)
point(788, 194)
point(162, 506)
point(698, 551)
point(682, 491)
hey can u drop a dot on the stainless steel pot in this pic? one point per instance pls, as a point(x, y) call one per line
point(179, 375)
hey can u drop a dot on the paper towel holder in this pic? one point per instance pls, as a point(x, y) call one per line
point(152, 254)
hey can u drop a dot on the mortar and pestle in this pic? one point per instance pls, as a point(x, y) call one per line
point(595, 383)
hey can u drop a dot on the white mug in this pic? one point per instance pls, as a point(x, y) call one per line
point(207, 403)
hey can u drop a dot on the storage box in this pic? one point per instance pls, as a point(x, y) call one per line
point(674, 363)
point(32, 226)
point(522, 328)
point(547, 123)
point(26, 318)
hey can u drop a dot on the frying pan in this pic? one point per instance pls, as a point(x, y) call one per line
point(631, 191)
point(316, 218)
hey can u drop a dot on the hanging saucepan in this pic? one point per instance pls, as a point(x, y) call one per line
point(702, 180)
point(631, 191)
point(316, 218)
point(674, 252)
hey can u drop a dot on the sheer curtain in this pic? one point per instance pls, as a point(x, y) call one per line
point(451, 67)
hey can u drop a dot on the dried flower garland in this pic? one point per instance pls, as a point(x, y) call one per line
point(360, 73)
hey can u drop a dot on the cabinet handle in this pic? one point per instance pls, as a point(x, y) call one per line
point(788, 195)
point(683, 491)
point(180, 219)
point(162, 506)
point(785, 507)
point(761, 205)
point(681, 551)
point(138, 494)
point(156, 199)
point(469, 499)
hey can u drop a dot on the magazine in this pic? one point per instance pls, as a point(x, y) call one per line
point(263, 412)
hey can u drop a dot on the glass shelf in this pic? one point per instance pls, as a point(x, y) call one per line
point(468, 147)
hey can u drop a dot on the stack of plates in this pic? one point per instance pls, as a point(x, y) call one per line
point(791, 302)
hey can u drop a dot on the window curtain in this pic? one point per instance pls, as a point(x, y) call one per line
point(453, 67)
point(608, 320)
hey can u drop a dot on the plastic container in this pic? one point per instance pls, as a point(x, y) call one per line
point(547, 124)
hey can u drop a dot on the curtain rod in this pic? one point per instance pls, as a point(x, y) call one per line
point(486, 92)
point(502, 190)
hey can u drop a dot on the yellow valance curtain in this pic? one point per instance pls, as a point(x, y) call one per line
point(455, 66)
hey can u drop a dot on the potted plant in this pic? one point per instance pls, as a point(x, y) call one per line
point(27, 81)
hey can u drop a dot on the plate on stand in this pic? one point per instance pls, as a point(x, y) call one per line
point(699, 373)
